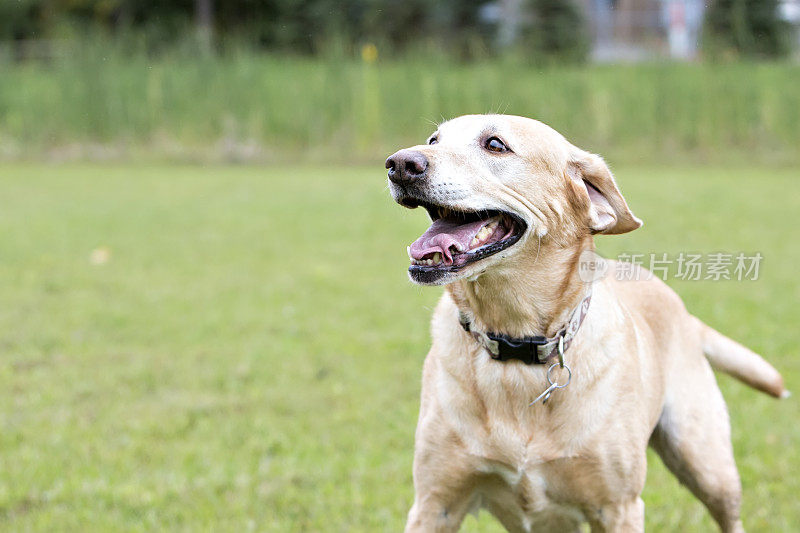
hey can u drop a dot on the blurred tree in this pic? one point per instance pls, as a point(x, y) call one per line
point(19, 19)
point(461, 28)
point(558, 31)
point(746, 27)
point(305, 26)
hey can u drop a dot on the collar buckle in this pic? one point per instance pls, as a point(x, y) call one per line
point(529, 350)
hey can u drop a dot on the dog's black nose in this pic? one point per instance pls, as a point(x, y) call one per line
point(406, 166)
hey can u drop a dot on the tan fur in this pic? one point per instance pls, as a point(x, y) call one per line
point(639, 373)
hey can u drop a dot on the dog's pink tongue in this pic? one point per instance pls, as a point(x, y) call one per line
point(442, 236)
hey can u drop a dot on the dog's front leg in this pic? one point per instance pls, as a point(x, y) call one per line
point(444, 487)
point(623, 517)
point(432, 513)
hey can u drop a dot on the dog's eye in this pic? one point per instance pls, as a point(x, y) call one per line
point(493, 144)
point(433, 140)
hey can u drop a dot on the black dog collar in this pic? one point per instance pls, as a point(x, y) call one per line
point(530, 350)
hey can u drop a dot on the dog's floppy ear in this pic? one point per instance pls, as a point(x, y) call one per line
point(608, 211)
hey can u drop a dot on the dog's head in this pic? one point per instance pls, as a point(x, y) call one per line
point(494, 186)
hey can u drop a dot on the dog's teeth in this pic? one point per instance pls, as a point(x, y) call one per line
point(437, 258)
point(408, 249)
point(484, 233)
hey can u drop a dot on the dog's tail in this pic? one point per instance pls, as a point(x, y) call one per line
point(729, 356)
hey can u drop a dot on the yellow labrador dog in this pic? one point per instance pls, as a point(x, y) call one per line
point(614, 366)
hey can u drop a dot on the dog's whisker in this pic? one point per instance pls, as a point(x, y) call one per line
point(538, 247)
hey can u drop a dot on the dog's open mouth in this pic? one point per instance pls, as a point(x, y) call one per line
point(458, 238)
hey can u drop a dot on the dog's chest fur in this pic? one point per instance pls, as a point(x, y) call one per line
point(528, 471)
point(541, 466)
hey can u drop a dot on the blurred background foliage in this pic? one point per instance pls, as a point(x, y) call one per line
point(464, 29)
point(280, 79)
point(297, 26)
point(747, 27)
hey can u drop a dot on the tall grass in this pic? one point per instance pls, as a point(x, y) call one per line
point(282, 106)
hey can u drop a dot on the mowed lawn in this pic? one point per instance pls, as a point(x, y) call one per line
point(242, 351)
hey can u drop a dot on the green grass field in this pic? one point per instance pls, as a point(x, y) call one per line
point(249, 356)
